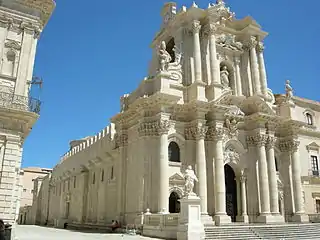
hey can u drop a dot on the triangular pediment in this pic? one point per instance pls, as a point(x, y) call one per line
point(313, 147)
point(176, 177)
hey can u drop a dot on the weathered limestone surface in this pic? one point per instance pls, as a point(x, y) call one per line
point(205, 103)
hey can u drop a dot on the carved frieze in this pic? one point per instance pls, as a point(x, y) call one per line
point(228, 41)
point(154, 128)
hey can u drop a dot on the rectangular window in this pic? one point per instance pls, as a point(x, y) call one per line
point(102, 175)
point(314, 166)
point(318, 205)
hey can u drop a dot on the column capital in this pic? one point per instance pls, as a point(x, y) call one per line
point(196, 132)
point(250, 43)
point(257, 140)
point(195, 26)
point(243, 178)
point(147, 129)
point(163, 126)
point(122, 139)
point(210, 29)
point(290, 145)
point(271, 140)
point(260, 47)
point(216, 133)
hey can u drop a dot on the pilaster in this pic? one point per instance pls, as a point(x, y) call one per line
point(262, 69)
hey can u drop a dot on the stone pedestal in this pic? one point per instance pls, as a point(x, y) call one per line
point(243, 219)
point(222, 219)
point(197, 91)
point(300, 218)
point(190, 225)
point(270, 219)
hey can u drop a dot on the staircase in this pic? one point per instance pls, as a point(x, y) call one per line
point(231, 232)
point(288, 231)
point(265, 232)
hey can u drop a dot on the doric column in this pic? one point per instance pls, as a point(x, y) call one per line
point(196, 50)
point(214, 63)
point(260, 141)
point(262, 68)
point(272, 173)
point(243, 182)
point(217, 134)
point(296, 177)
point(238, 77)
point(163, 201)
point(251, 46)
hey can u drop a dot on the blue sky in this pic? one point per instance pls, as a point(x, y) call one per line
point(92, 52)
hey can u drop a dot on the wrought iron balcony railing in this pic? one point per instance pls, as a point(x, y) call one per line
point(17, 102)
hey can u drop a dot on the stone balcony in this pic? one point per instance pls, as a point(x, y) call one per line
point(20, 103)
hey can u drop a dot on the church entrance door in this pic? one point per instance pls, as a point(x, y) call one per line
point(231, 192)
point(174, 204)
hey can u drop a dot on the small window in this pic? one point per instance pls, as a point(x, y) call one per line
point(24, 190)
point(69, 185)
point(314, 166)
point(318, 206)
point(276, 161)
point(309, 119)
point(93, 178)
point(102, 175)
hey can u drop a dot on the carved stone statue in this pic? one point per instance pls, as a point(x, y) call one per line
point(189, 178)
point(124, 102)
point(232, 127)
point(164, 57)
point(224, 76)
point(289, 91)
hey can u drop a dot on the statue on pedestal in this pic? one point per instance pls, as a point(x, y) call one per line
point(164, 57)
point(189, 178)
point(289, 91)
point(224, 76)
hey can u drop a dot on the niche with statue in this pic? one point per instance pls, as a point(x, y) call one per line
point(227, 76)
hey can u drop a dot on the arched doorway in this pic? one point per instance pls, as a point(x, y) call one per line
point(174, 204)
point(231, 192)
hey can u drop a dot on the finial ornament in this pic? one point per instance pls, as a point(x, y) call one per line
point(289, 91)
point(194, 4)
point(189, 178)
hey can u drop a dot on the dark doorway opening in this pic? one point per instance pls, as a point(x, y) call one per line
point(231, 192)
point(174, 204)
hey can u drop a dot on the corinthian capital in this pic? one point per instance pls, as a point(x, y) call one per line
point(195, 26)
point(291, 145)
point(163, 127)
point(260, 47)
point(216, 133)
point(210, 29)
point(250, 43)
point(196, 132)
point(257, 140)
point(271, 142)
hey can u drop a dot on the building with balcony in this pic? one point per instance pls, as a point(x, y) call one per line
point(21, 23)
point(205, 103)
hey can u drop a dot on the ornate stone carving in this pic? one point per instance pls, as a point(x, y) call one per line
point(289, 91)
point(224, 77)
point(250, 43)
point(195, 27)
point(215, 133)
point(260, 47)
point(164, 57)
point(271, 140)
point(228, 41)
point(290, 145)
point(12, 44)
point(163, 127)
point(243, 177)
point(122, 140)
point(196, 132)
point(230, 155)
point(147, 129)
point(231, 125)
point(190, 178)
point(220, 13)
point(210, 29)
point(257, 140)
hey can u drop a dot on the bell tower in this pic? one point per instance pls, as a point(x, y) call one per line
point(21, 23)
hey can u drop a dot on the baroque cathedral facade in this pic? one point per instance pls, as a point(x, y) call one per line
point(205, 103)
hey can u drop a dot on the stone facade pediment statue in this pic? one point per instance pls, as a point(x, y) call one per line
point(224, 76)
point(164, 57)
point(289, 91)
point(189, 177)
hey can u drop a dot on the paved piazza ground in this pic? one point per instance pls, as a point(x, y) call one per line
point(40, 233)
